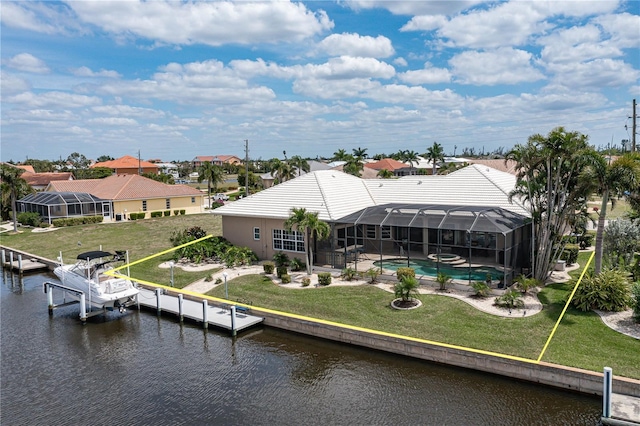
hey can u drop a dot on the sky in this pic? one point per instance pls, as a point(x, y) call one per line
point(172, 80)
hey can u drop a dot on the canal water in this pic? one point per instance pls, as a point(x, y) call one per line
point(141, 369)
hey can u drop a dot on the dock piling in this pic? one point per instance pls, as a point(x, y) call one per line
point(180, 307)
point(158, 301)
point(606, 392)
point(20, 263)
point(83, 308)
point(11, 258)
point(49, 291)
point(205, 312)
point(2, 258)
point(233, 320)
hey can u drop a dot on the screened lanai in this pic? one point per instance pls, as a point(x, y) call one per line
point(465, 242)
point(55, 205)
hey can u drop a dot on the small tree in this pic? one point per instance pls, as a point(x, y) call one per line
point(607, 291)
point(443, 279)
point(407, 288)
point(311, 226)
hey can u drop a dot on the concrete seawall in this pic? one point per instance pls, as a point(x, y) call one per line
point(575, 379)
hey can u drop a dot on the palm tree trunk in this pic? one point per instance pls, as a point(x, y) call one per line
point(600, 232)
point(13, 208)
point(309, 252)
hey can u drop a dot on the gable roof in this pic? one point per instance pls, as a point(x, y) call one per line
point(126, 162)
point(123, 187)
point(26, 167)
point(334, 194)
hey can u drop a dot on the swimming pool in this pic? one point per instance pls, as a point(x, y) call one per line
point(428, 267)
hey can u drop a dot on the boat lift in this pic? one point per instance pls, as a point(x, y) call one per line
point(48, 289)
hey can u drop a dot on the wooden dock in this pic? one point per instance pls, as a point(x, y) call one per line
point(21, 261)
point(219, 316)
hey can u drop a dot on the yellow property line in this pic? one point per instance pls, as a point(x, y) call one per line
point(346, 326)
point(555, 327)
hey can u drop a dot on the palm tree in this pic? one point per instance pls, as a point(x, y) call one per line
point(360, 152)
point(434, 154)
point(12, 184)
point(609, 180)
point(311, 226)
point(340, 155)
point(212, 173)
point(354, 166)
point(301, 164)
point(385, 174)
point(548, 170)
point(283, 170)
point(410, 157)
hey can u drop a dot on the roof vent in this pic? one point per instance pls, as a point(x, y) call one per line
point(419, 182)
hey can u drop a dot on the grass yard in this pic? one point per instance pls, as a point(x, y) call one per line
point(582, 340)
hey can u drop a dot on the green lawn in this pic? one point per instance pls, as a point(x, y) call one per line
point(582, 340)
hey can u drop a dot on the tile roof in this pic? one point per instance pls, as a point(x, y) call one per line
point(126, 162)
point(499, 164)
point(123, 187)
point(335, 194)
point(42, 179)
point(386, 163)
point(27, 168)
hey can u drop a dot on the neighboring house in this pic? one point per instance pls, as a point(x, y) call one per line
point(508, 166)
point(168, 169)
point(39, 181)
point(128, 165)
point(390, 164)
point(115, 197)
point(267, 179)
point(27, 168)
point(466, 213)
point(218, 160)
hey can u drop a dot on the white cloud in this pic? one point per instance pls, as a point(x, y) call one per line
point(347, 67)
point(356, 45)
point(622, 28)
point(412, 7)
point(425, 23)
point(53, 100)
point(87, 72)
point(401, 62)
point(428, 75)
point(42, 17)
point(28, 63)
point(129, 111)
point(594, 74)
point(211, 23)
point(112, 121)
point(499, 66)
point(10, 84)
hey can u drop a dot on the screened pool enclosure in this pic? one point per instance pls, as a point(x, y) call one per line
point(465, 238)
point(55, 205)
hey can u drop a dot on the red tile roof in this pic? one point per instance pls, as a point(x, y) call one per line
point(43, 179)
point(386, 163)
point(126, 162)
point(123, 187)
point(27, 168)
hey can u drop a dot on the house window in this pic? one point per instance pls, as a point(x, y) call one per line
point(386, 232)
point(256, 233)
point(288, 240)
point(167, 203)
point(371, 232)
point(144, 205)
point(193, 200)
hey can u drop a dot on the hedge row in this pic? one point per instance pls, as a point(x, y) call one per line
point(71, 221)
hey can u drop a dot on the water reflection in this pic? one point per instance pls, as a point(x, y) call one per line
point(142, 369)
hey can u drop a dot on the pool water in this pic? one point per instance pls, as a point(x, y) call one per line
point(429, 267)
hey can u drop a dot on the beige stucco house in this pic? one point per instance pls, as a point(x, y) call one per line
point(466, 212)
point(115, 197)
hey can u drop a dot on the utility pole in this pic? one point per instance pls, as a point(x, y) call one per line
point(633, 128)
point(246, 163)
point(139, 164)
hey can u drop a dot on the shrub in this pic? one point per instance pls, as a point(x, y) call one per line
point(281, 259)
point(348, 274)
point(286, 278)
point(570, 253)
point(405, 272)
point(167, 212)
point(29, 219)
point(635, 304)
point(281, 270)
point(268, 267)
point(306, 281)
point(511, 299)
point(372, 274)
point(218, 280)
point(324, 278)
point(586, 240)
point(607, 291)
point(406, 288)
point(443, 279)
point(237, 256)
point(208, 278)
point(81, 220)
point(156, 214)
point(481, 288)
point(176, 212)
point(297, 264)
point(621, 240)
point(525, 284)
point(182, 212)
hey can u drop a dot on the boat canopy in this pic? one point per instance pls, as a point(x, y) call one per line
point(91, 255)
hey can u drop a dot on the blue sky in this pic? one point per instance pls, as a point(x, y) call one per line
point(174, 80)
